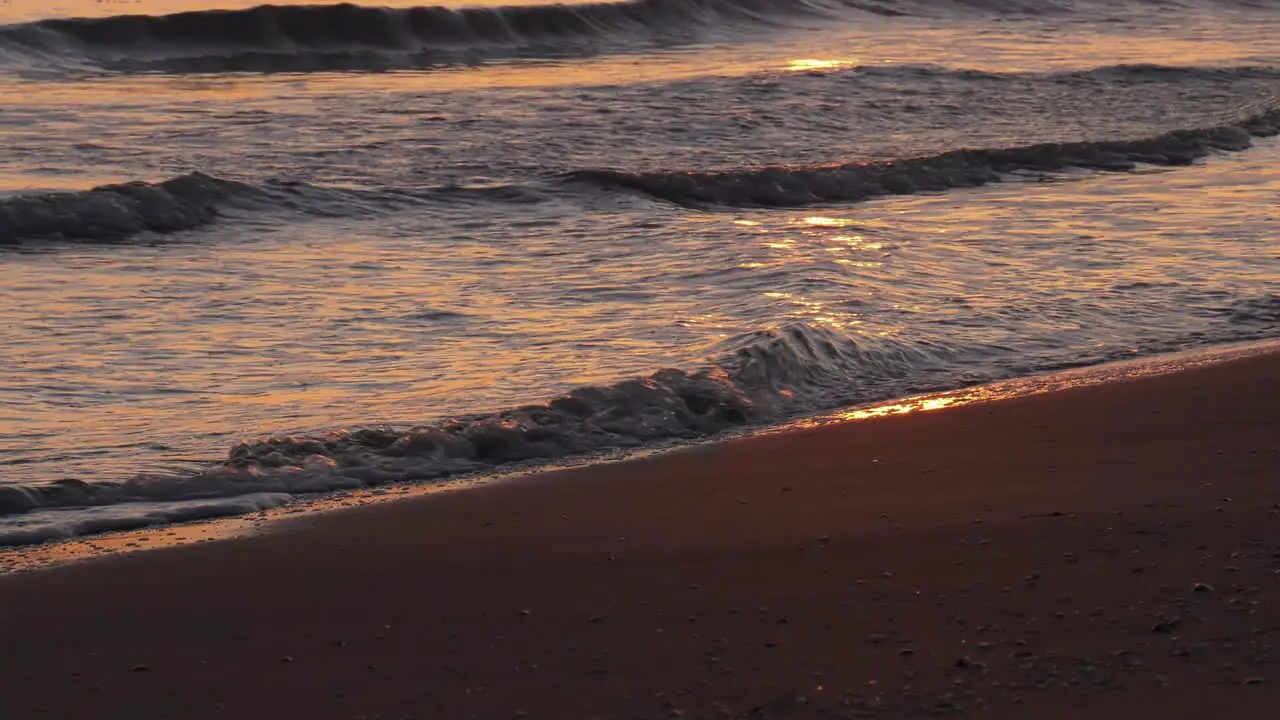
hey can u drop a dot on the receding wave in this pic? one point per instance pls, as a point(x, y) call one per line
point(301, 38)
point(112, 213)
point(759, 377)
point(782, 186)
point(754, 379)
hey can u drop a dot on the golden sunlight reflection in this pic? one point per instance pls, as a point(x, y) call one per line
point(856, 242)
point(814, 239)
point(923, 403)
point(899, 408)
point(826, 222)
point(813, 310)
point(813, 64)
point(1033, 385)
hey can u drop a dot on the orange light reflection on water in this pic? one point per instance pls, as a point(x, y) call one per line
point(815, 64)
point(814, 239)
point(826, 222)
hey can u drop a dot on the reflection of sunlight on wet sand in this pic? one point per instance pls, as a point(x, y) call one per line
point(917, 405)
point(1040, 384)
point(923, 403)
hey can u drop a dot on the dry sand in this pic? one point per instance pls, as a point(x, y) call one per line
point(1105, 552)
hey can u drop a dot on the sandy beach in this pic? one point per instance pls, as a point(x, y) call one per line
point(1109, 551)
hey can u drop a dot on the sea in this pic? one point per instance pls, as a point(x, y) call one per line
point(252, 255)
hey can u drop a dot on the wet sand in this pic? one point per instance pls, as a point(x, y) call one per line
point(1109, 551)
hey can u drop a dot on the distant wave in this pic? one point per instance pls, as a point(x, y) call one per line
point(302, 38)
point(112, 213)
point(116, 212)
point(783, 186)
point(350, 37)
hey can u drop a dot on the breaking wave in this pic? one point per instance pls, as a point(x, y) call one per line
point(782, 186)
point(112, 213)
point(302, 38)
point(760, 377)
point(115, 212)
point(350, 37)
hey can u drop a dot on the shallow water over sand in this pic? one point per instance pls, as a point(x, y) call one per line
point(402, 228)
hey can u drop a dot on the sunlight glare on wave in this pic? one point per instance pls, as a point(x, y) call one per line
point(816, 64)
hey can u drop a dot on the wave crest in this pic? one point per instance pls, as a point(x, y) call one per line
point(115, 212)
point(301, 38)
point(112, 213)
point(798, 186)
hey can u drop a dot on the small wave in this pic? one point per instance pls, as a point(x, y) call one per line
point(807, 185)
point(1264, 310)
point(302, 38)
point(115, 212)
point(760, 377)
point(112, 213)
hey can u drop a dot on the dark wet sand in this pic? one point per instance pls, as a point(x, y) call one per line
point(1030, 558)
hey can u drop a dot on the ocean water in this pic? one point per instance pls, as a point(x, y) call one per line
point(250, 253)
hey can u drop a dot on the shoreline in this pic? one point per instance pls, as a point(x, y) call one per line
point(53, 553)
point(1109, 550)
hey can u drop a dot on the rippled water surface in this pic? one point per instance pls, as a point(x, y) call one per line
point(365, 245)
